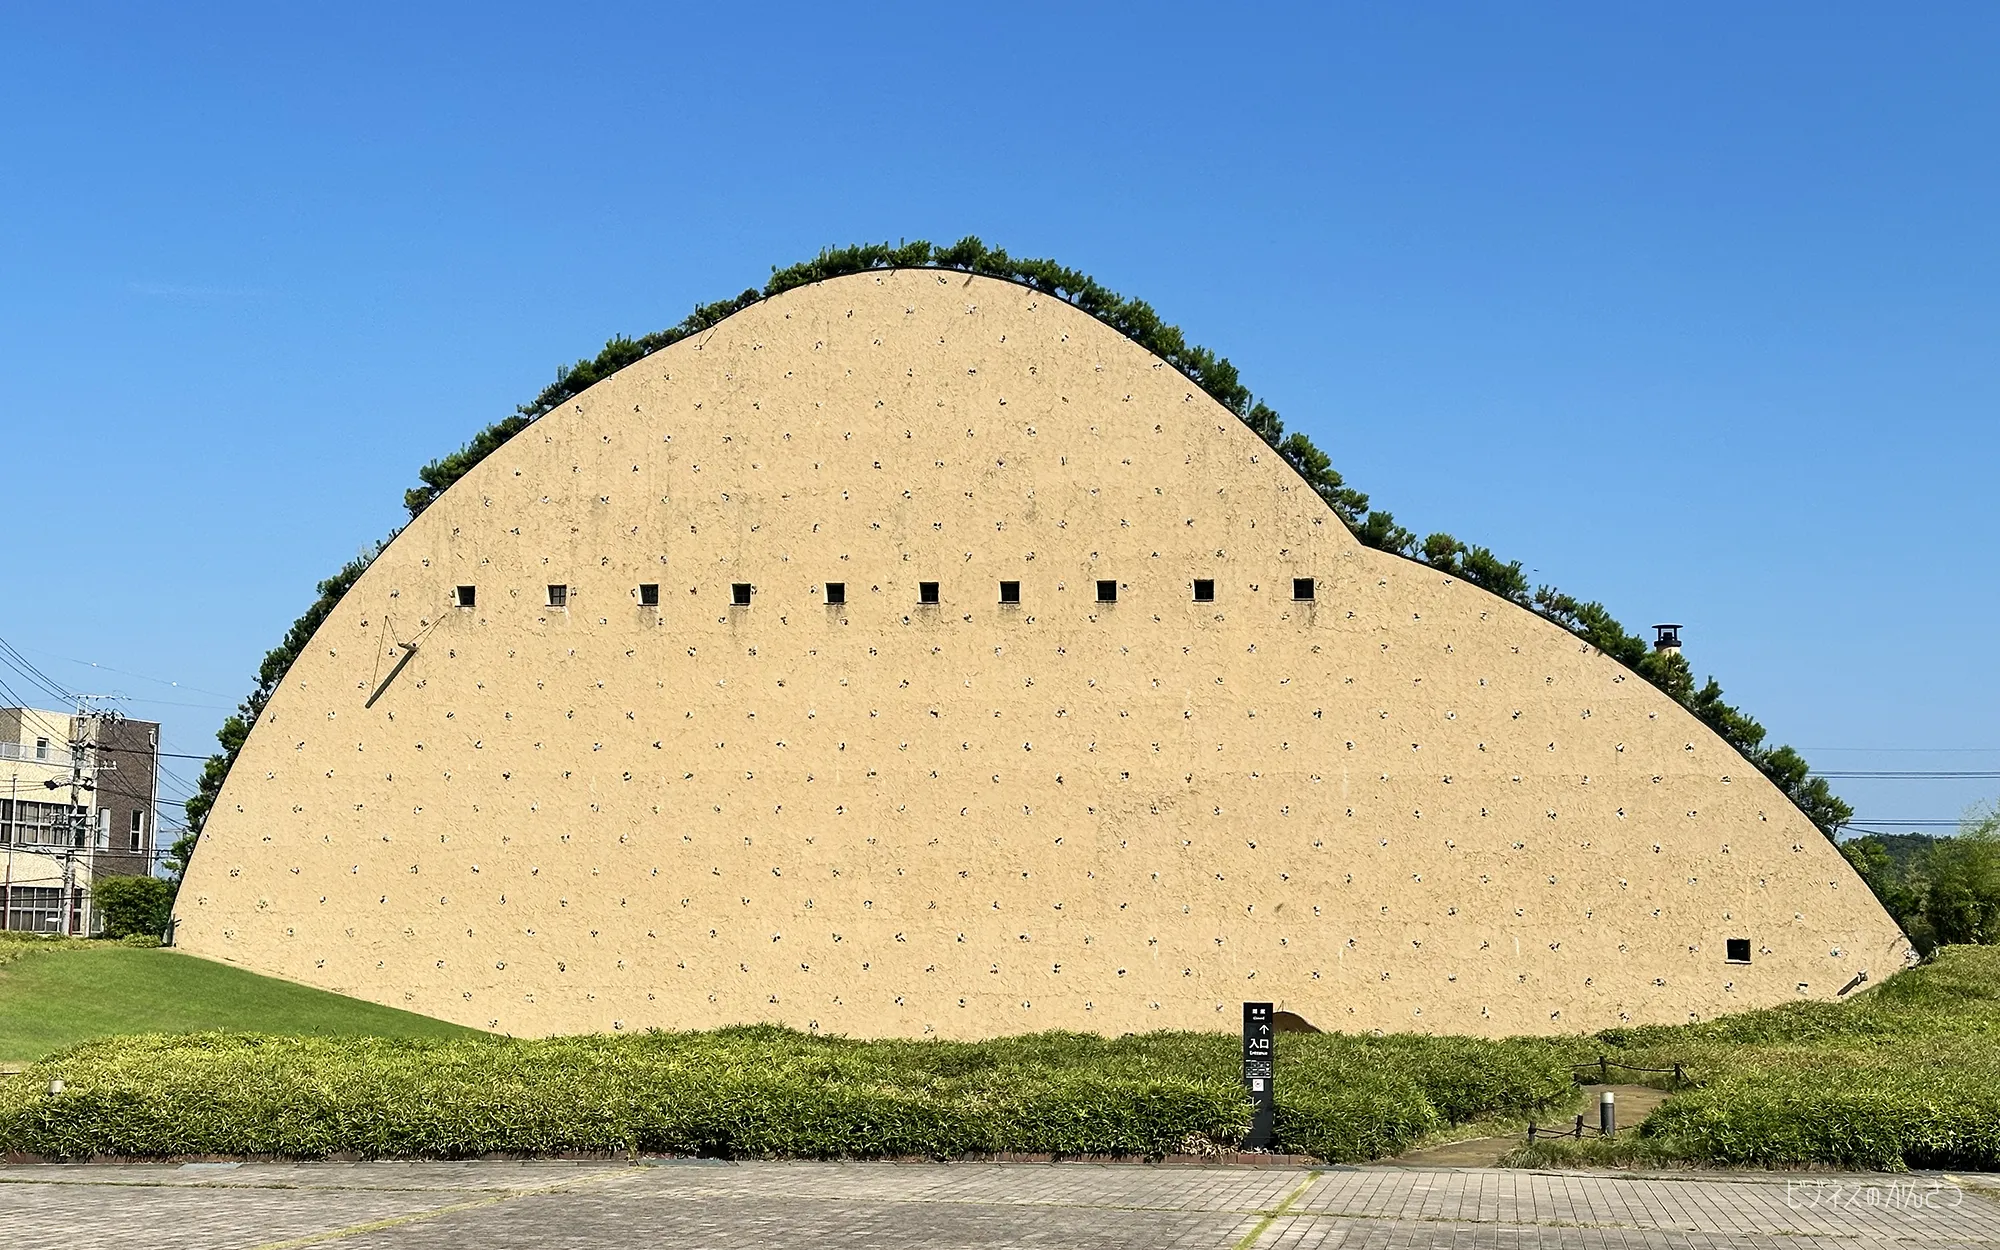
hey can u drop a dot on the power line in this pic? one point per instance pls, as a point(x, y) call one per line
point(13, 697)
point(1909, 750)
point(106, 668)
point(142, 699)
point(21, 664)
point(1907, 774)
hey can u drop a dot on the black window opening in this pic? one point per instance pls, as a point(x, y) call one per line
point(836, 593)
point(467, 596)
point(649, 594)
point(558, 596)
point(739, 594)
point(1107, 592)
point(1010, 592)
point(927, 592)
point(1302, 588)
point(138, 830)
point(1738, 951)
point(1204, 590)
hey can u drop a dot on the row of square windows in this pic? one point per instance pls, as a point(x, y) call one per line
point(836, 593)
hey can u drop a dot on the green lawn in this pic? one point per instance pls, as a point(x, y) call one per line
point(57, 993)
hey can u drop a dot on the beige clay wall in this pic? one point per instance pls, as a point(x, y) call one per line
point(1406, 804)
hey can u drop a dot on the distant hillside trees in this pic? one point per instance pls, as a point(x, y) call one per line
point(1943, 891)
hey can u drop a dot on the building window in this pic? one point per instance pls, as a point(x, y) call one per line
point(467, 596)
point(836, 594)
point(927, 592)
point(1738, 950)
point(1204, 590)
point(41, 748)
point(1302, 588)
point(138, 830)
point(739, 594)
point(1107, 591)
point(649, 594)
point(558, 596)
point(1010, 592)
point(35, 909)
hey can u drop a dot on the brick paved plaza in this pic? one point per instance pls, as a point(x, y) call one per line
point(802, 1206)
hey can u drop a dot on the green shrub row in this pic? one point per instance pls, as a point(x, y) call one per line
point(755, 1092)
point(1934, 1105)
point(1906, 1074)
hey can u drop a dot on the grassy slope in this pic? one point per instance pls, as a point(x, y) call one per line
point(1906, 1074)
point(54, 995)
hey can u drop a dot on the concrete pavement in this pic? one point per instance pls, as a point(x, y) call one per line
point(806, 1206)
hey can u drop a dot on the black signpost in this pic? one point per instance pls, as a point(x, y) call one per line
point(1259, 1074)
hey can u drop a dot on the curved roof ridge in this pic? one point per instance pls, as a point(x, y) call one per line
point(1138, 321)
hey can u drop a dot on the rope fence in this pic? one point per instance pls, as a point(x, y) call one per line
point(1607, 1125)
point(1605, 1064)
point(1576, 1131)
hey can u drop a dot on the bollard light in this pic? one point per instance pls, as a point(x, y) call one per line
point(1607, 1113)
point(55, 1087)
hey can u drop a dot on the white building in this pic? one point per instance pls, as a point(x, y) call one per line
point(77, 802)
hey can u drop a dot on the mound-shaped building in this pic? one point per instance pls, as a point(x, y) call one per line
point(912, 654)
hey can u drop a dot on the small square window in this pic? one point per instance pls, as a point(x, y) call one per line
point(467, 597)
point(836, 594)
point(1738, 950)
point(1204, 590)
point(649, 594)
point(927, 592)
point(1107, 591)
point(558, 596)
point(1302, 588)
point(739, 594)
point(1010, 592)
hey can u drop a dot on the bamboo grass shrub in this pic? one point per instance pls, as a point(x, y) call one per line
point(762, 1092)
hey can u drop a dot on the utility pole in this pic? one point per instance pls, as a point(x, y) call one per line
point(85, 730)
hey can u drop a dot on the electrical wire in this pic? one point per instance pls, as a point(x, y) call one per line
point(21, 664)
point(1907, 774)
point(105, 668)
point(1911, 750)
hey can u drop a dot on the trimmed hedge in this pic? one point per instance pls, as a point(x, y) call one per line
point(756, 1092)
point(133, 906)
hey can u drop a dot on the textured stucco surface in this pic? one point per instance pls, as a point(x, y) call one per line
point(1405, 804)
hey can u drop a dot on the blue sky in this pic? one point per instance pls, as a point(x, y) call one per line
point(1693, 311)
